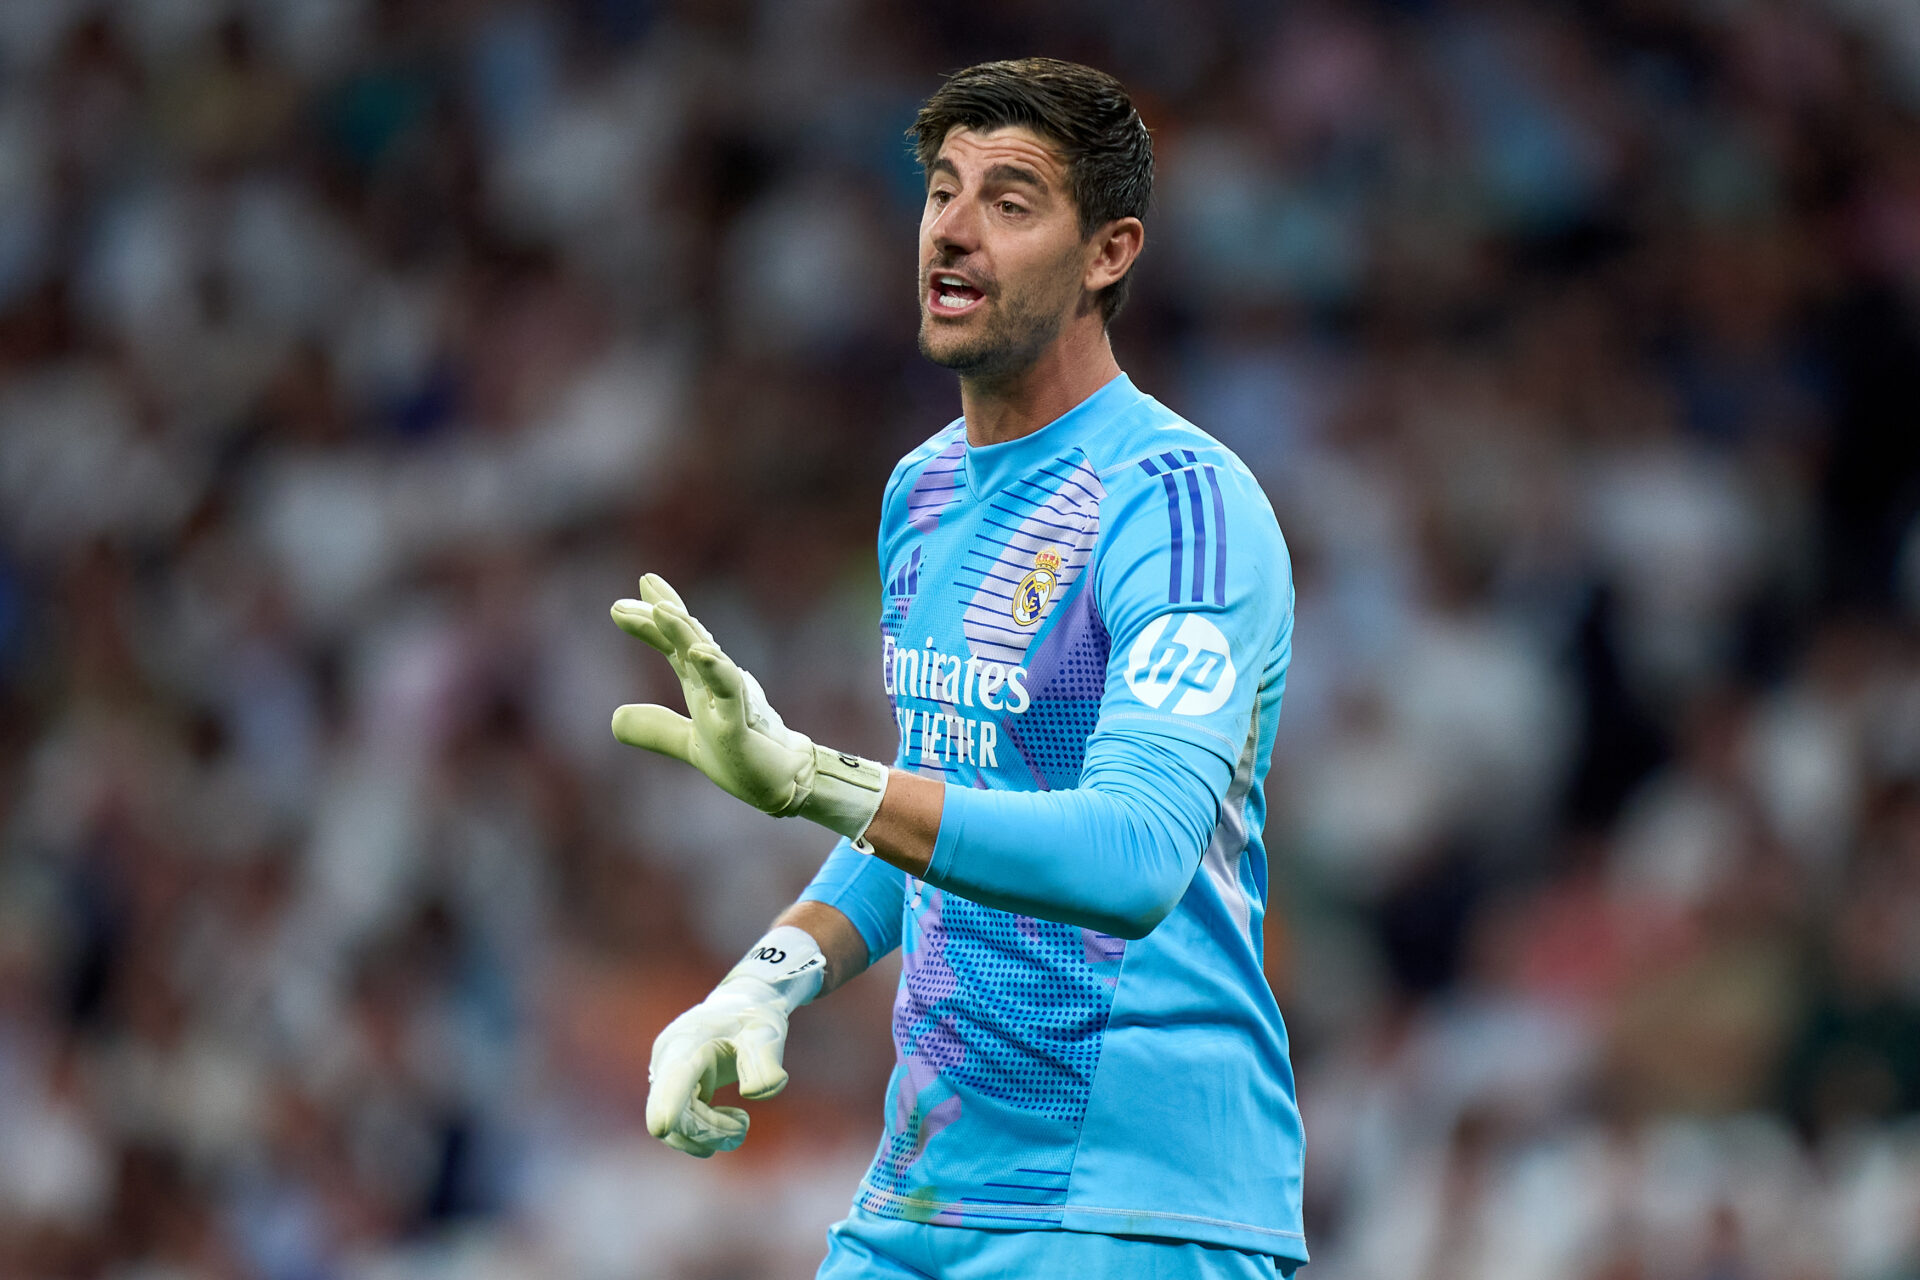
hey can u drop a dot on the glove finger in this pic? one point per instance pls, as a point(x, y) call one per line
point(635, 617)
point(655, 589)
point(717, 671)
point(756, 1058)
point(687, 1145)
point(717, 1128)
point(656, 728)
point(676, 1079)
point(681, 628)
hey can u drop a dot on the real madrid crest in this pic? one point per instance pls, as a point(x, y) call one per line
point(1031, 596)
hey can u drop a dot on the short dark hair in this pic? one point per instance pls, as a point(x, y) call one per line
point(1084, 112)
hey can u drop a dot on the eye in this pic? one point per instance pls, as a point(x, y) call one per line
point(939, 196)
point(1010, 207)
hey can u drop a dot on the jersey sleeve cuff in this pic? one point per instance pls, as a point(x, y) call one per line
point(865, 890)
point(946, 842)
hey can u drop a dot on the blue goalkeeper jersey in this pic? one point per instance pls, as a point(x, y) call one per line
point(1085, 633)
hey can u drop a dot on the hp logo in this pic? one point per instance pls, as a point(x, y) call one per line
point(1191, 656)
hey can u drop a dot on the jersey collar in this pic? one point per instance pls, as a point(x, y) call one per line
point(989, 467)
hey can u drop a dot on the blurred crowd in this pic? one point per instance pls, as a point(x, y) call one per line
point(356, 354)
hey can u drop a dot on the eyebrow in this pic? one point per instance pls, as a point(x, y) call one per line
point(998, 173)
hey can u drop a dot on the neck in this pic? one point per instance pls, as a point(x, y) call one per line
point(1073, 367)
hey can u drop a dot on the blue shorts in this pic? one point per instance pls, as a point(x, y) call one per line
point(866, 1246)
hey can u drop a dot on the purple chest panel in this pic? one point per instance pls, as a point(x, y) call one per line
point(1067, 676)
point(938, 486)
point(1035, 538)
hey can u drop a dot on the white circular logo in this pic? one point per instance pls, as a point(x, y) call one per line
point(1031, 596)
point(1193, 658)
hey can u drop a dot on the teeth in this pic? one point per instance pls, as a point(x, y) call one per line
point(951, 280)
point(952, 300)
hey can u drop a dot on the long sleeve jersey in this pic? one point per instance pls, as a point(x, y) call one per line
point(1085, 634)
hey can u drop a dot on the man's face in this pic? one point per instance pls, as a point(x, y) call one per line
point(1001, 257)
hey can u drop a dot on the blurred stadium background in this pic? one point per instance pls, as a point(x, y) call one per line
point(354, 354)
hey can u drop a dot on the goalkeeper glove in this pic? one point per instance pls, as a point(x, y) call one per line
point(734, 737)
point(737, 1034)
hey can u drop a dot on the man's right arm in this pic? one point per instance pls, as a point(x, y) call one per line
point(856, 901)
point(849, 916)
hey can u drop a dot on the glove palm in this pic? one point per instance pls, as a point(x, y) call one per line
point(738, 1034)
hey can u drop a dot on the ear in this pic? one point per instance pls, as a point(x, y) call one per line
point(1115, 246)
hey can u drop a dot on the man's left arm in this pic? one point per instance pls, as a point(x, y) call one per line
point(1114, 854)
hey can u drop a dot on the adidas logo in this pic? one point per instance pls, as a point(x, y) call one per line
point(905, 582)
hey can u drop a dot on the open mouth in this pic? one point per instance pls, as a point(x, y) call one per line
point(949, 295)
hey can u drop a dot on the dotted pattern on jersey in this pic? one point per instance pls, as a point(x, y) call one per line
point(1020, 1006)
point(1067, 679)
point(1052, 740)
point(1071, 663)
point(939, 484)
point(924, 1107)
point(1056, 510)
point(927, 1045)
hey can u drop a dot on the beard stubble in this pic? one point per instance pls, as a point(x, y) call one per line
point(1020, 326)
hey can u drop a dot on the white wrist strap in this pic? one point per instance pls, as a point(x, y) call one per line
point(841, 792)
point(788, 961)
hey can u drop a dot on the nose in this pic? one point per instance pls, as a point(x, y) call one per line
point(955, 230)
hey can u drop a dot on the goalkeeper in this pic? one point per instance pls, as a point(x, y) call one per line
point(1087, 619)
